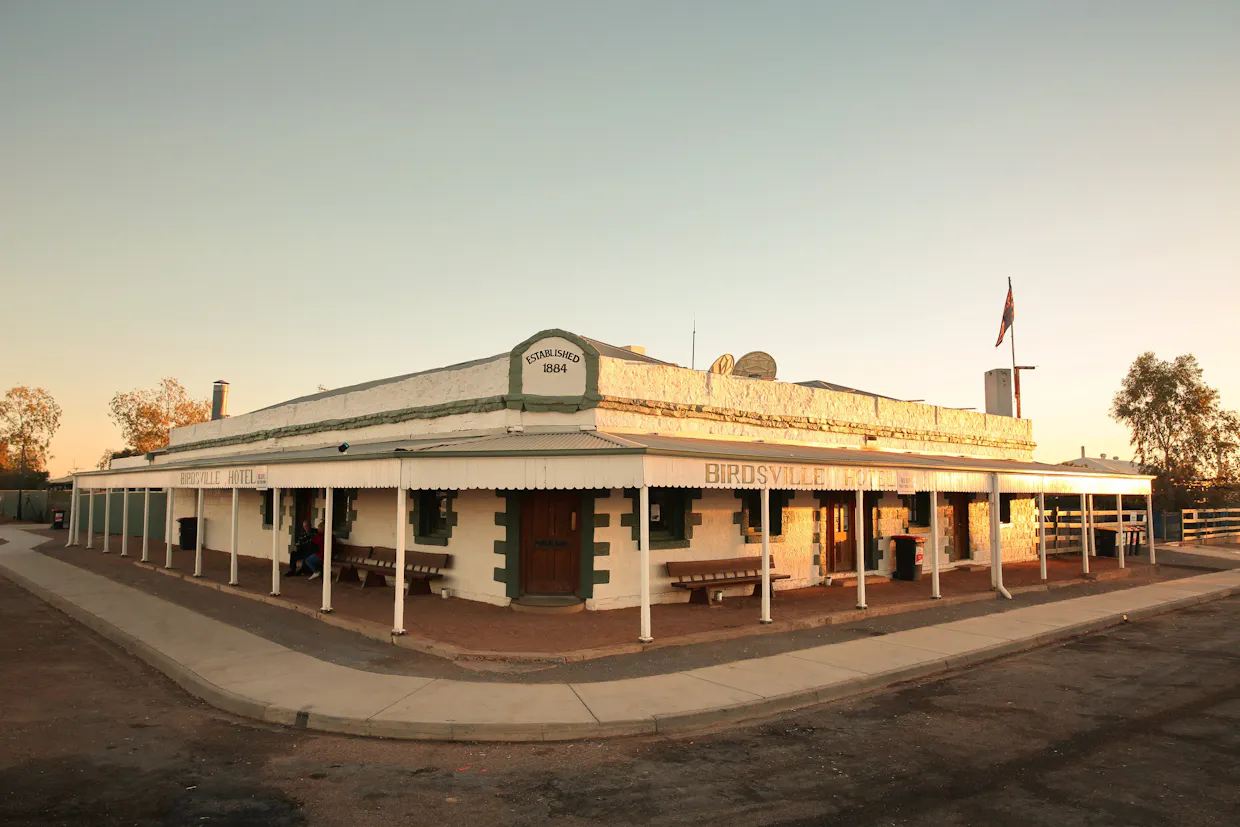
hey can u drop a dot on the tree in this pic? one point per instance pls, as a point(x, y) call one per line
point(108, 455)
point(147, 417)
point(1179, 429)
point(29, 418)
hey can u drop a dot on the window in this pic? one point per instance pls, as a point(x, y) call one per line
point(1005, 508)
point(433, 519)
point(342, 501)
point(753, 506)
point(918, 506)
point(667, 514)
point(268, 506)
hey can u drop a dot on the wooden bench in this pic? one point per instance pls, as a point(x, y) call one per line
point(699, 576)
point(374, 564)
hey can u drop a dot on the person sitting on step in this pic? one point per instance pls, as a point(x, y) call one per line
point(303, 547)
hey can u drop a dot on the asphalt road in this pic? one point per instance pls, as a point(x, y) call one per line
point(1139, 725)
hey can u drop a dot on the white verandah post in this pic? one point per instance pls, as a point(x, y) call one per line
point(107, 520)
point(934, 546)
point(200, 524)
point(146, 524)
point(125, 523)
point(90, 520)
point(996, 538)
point(1093, 528)
point(766, 555)
point(276, 507)
point(1084, 536)
point(1042, 535)
point(859, 547)
point(643, 517)
point(1149, 524)
point(402, 522)
point(232, 540)
point(73, 511)
point(168, 528)
point(1119, 529)
point(327, 551)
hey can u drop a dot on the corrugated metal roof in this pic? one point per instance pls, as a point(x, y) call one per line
point(831, 386)
point(602, 443)
point(671, 445)
point(571, 441)
point(614, 352)
point(1110, 466)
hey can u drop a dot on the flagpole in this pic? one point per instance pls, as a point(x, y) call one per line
point(1012, 333)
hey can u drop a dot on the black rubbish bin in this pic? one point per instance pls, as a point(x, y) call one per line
point(1106, 541)
point(58, 518)
point(908, 557)
point(188, 533)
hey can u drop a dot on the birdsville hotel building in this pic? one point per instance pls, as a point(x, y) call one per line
point(570, 473)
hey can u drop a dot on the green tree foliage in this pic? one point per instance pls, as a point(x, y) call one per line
point(1180, 430)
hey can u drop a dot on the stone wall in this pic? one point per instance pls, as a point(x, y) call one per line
point(469, 381)
point(644, 397)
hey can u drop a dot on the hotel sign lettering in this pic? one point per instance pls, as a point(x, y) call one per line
point(758, 475)
point(254, 476)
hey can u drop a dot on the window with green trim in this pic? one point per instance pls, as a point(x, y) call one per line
point(668, 510)
point(268, 506)
point(775, 509)
point(342, 501)
point(918, 506)
point(433, 514)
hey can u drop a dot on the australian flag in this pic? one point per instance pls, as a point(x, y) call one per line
point(1009, 315)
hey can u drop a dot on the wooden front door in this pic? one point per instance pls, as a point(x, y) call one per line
point(960, 527)
point(550, 542)
point(841, 544)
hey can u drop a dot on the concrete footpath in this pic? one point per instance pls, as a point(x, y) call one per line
point(250, 676)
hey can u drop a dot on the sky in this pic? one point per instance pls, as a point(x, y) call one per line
point(288, 195)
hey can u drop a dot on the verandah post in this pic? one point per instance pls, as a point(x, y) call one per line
point(73, 510)
point(402, 521)
point(996, 539)
point(125, 522)
point(232, 542)
point(276, 508)
point(90, 521)
point(1119, 529)
point(1084, 536)
point(766, 556)
point(1042, 535)
point(643, 517)
point(199, 526)
point(146, 524)
point(859, 547)
point(934, 545)
point(107, 520)
point(168, 528)
point(1149, 524)
point(327, 551)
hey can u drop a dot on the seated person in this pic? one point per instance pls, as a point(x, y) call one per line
point(303, 547)
point(314, 560)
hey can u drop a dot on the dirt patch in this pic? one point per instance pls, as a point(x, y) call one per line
point(1131, 726)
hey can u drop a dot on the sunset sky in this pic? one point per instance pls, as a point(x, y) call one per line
point(285, 195)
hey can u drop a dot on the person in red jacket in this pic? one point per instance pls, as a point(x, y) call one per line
point(315, 560)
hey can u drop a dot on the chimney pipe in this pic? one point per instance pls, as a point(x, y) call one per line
point(1082, 452)
point(219, 400)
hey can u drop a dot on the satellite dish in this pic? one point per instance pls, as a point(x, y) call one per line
point(723, 365)
point(755, 365)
